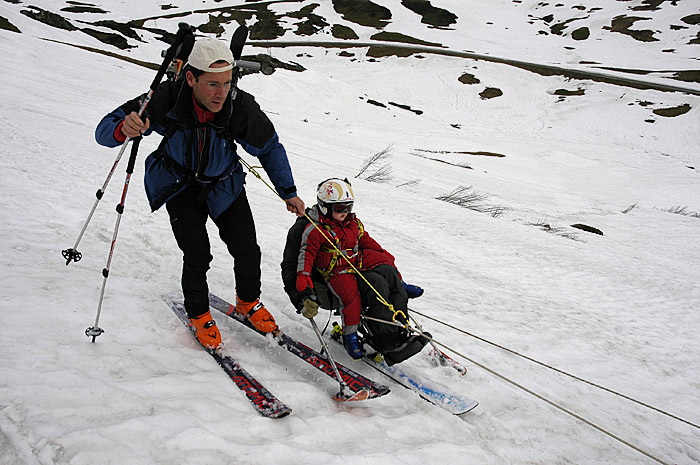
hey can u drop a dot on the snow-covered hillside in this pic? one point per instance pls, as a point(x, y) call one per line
point(618, 310)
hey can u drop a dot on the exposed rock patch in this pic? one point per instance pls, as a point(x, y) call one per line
point(467, 78)
point(8, 26)
point(437, 17)
point(673, 111)
point(343, 32)
point(363, 12)
point(311, 23)
point(691, 19)
point(402, 38)
point(623, 23)
point(581, 33)
point(49, 18)
point(587, 228)
point(490, 92)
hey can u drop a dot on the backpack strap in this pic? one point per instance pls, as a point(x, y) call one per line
point(188, 175)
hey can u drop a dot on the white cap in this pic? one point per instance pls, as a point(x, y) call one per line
point(206, 52)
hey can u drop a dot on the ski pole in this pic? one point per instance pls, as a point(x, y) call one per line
point(95, 330)
point(183, 39)
point(181, 55)
point(72, 253)
point(439, 358)
point(343, 386)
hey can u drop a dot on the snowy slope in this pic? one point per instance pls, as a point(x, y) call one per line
point(618, 310)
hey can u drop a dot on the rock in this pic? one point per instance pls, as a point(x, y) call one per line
point(581, 33)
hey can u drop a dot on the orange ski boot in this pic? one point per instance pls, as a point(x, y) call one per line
point(257, 314)
point(206, 331)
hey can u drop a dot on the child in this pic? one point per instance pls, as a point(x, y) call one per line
point(335, 220)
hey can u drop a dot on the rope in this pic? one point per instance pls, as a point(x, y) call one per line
point(533, 393)
point(498, 375)
point(380, 298)
point(577, 378)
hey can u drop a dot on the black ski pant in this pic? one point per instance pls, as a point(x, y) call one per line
point(188, 218)
point(386, 281)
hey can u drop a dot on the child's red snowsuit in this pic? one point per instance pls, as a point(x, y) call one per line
point(356, 244)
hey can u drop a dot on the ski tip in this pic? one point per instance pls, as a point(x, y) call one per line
point(362, 394)
point(218, 351)
point(281, 413)
point(378, 391)
point(469, 408)
point(439, 358)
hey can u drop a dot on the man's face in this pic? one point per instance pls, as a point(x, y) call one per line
point(211, 89)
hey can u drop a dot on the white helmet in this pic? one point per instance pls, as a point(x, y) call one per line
point(334, 191)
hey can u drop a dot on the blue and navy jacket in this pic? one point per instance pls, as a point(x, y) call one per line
point(177, 162)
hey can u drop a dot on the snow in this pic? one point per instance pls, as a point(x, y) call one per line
point(618, 310)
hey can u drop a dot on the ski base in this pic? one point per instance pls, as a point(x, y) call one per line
point(263, 400)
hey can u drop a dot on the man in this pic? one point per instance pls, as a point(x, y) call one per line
point(196, 174)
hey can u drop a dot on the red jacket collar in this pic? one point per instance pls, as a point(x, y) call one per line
point(203, 116)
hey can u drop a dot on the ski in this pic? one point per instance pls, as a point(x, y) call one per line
point(240, 35)
point(440, 358)
point(263, 400)
point(355, 381)
point(429, 390)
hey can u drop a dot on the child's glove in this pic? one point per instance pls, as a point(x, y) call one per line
point(304, 281)
point(306, 286)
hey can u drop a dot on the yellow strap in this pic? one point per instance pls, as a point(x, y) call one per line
point(361, 227)
point(396, 312)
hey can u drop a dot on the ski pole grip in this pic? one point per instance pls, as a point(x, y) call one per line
point(183, 52)
point(185, 48)
point(245, 64)
point(132, 156)
point(183, 31)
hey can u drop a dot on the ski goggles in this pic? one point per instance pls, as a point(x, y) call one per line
point(342, 207)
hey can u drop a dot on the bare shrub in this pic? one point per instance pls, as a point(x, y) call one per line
point(377, 168)
point(629, 209)
point(459, 165)
point(544, 226)
point(682, 211)
point(411, 183)
point(465, 197)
